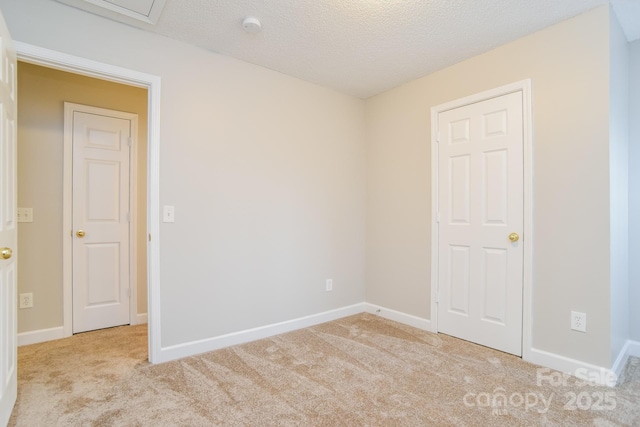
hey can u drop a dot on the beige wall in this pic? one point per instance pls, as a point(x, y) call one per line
point(266, 173)
point(570, 77)
point(634, 189)
point(41, 96)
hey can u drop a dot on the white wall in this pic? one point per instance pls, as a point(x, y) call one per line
point(266, 173)
point(568, 65)
point(634, 189)
point(619, 183)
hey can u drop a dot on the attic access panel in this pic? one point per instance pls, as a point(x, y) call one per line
point(143, 7)
point(131, 12)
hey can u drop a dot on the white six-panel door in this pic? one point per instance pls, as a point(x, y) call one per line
point(8, 227)
point(480, 201)
point(101, 215)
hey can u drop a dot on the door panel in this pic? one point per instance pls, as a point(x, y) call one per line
point(103, 284)
point(494, 179)
point(459, 279)
point(102, 201)
point(459, 189)
point(8, 227)
point(480, 203)
point(494, 283)
point(101, 211)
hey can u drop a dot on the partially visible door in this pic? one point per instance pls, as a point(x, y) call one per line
point(480, 191)
point(101, 216)
point(8, 227)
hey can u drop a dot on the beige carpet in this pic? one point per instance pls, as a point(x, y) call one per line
point(358, 371)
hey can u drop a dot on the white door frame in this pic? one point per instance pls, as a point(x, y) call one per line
point(74, 64)
point(67, 212)
point(523, 86)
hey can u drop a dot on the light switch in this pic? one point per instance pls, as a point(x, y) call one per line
point(168, 213)
point(25, 214)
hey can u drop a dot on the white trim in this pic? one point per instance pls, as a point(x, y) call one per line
point(210, 344)
point(621, 360)
point(61, 61)
point(398, 316)
point(10, 396)
point(41, 335)
point(67, 208)
point(527, 241)
point(630, 348)
point(120, 13)
point(577, 368)
point(140, 319)
point(633, 348)
point(133, 222)
point(435, 229)
point(523, 86)
point(67, 241)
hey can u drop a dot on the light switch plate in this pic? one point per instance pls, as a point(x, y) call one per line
point(168, 213)
point(329, 285)
point(25, 214)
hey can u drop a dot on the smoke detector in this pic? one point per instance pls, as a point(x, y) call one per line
point(251, 25)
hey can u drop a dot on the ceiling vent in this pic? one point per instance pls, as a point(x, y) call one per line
point(131, 12)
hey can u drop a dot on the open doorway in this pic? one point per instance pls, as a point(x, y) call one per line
point(42, 93)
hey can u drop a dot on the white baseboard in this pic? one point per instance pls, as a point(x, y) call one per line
point(140, 319)
point(210, 344)
point(41, 335)
point(633, 348)
point(577, 368)
point(630, 348)
point(398, 316)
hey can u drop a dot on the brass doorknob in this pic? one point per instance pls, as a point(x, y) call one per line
point(514, 237)
point(6, 253)
point(80, 233)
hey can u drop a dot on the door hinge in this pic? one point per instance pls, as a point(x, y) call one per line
point(438, 217)
point(128, 217)
point(149, 236)
point(129, 141)
point(438, 137)
point(129, 292)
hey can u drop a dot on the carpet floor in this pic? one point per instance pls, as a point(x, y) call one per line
point(358, 371)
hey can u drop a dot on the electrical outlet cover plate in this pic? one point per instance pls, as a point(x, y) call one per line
point(578, 321)
point(26, 300)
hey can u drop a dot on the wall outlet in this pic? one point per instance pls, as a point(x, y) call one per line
point(329, 285)
point(26, 300)
point(578, 321)
point(25, 214)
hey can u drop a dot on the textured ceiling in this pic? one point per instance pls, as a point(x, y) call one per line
point(361, 47)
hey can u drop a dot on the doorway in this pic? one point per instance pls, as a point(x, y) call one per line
point(65, 62)
point(45, 270)
point(481, 251)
